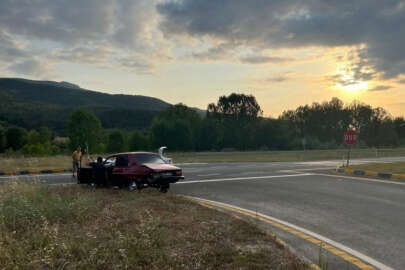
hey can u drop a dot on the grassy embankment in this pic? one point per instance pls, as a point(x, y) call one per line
point(43, 227)
point(394, 168)
point(64, 162)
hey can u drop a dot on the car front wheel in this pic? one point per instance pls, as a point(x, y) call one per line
point(132, 185)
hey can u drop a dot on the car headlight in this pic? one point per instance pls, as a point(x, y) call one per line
point(178, 173)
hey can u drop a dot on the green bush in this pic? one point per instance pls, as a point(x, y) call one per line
point(34, 150)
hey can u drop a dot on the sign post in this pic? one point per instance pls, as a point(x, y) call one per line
point(350, 139)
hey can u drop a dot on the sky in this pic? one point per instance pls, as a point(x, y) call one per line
point(285, 53)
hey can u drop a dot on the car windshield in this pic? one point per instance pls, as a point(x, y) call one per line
point(149, 158)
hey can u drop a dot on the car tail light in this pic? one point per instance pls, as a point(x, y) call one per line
point(178, 173)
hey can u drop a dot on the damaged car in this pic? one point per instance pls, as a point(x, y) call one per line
point(134, 170)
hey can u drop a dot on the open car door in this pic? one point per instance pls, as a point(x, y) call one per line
point(84, 175)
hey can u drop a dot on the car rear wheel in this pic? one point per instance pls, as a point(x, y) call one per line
point(164, 188)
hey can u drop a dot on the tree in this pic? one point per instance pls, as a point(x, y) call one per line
point(84, 128)
point(3, 141)
point(176, 135)
point(177, 127)
point(238, 114)
point(181, 136)
point(399, 124)
point(211, 135)
point(116, 142)
point(34, 137)
point(270, 134)
point(236, 106)
point(138, 141)
point(45, 134)
point(16, 138)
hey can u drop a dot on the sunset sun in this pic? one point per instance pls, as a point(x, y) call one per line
point(355, 87)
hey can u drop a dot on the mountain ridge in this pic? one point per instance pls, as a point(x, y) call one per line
point(31, 104)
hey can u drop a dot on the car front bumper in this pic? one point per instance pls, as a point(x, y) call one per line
point(163, 180)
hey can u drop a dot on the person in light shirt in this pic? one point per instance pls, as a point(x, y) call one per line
point(76, 158)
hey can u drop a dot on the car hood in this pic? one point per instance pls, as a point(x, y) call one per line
point(161, 167)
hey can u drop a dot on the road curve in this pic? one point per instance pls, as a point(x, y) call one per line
point(367, 216)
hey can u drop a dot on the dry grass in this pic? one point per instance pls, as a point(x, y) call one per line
point(35, 163)
point(64, 162)
point(43, 227)
point(395, 168)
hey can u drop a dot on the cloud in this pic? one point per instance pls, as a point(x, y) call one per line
point(380, 88)
point(141, 65)
point(102, 32)
point(296, 24)
point(9, 48)
point(219, 52)
point(97, 32)
point(64, 21)
point(341, 80)
point(401, 81)
point(93, 54)
point(277, 79)
point(31, 67)
point(261, 59)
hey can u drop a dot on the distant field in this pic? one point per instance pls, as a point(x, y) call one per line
point(44, 227)
point(64, 162)
point(34, 163)
point(395, 168)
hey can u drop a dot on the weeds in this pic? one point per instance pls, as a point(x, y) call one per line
point(44, 227)
point(323, 261)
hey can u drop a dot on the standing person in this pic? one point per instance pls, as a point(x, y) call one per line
point(76, 158)
point(99, 176)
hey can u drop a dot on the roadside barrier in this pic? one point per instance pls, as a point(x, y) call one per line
point(383, 175)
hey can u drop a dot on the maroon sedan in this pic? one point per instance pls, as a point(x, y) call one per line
point(135, 170)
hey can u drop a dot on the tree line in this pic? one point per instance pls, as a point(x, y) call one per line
point(235, 122)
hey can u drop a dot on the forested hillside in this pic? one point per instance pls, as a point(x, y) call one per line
point(31, 104)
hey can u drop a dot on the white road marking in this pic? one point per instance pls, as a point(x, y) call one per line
point(211, 174)
point(243, 178)
point(289, 171)
point(197, 163)
point(362, 179)
point(326, 163)
point(324, 239)
point(298, 170)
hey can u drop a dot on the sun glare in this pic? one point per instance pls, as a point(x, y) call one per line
point(355, 87)
point(349, 84)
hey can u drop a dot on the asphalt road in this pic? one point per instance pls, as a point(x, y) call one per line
point(365, 215)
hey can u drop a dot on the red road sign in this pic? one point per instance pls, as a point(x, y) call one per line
point(350, 137)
